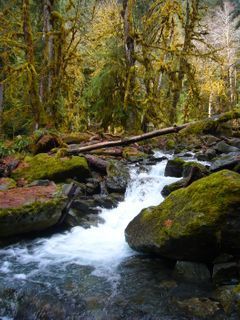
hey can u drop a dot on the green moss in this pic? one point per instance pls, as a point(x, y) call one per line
point(34, 216)
point(43, 166)
point(188, 208)
point(130, 153)
point(170, 144)
point(188, 225)
point(200, 127)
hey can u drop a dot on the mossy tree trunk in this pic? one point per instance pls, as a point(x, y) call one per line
point(34, 100)
point(132, 122)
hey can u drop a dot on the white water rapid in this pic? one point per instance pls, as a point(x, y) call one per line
point(101, 247)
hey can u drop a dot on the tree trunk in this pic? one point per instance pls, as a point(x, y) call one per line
point(127, 141)
point(34, 100)
point(132, 122)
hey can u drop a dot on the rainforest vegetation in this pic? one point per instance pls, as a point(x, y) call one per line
point(116, 65)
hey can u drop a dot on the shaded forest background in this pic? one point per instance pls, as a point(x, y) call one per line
point(120, 66)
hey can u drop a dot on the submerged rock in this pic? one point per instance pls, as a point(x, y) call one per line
point(43, 166)
point(199, 307)
point(196, 223)
point(192, 271)
point(30, 209)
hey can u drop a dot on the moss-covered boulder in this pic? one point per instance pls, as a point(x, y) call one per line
point(196, 223)
point(30, 209)
point(174, 168)
point(43, 166)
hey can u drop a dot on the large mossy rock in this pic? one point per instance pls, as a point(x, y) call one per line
point(30, 209)
point(43, 166)
point(196, 223)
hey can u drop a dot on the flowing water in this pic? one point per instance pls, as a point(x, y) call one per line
point(92, 273)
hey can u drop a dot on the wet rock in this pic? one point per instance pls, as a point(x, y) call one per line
point(227, 273)
point(77, 218)
point(192, 171)
point(30, 209)
point(210, 140)
point(235, 142)
point(200, 170)
point(192, 271)
point(223, 147)
point(117, 177)
point(7, 183)
point(105, 201)
point(210, 154)
point(85, 206)
point(203, 308)
point(173, 187)
point(202, 156)
point(43, 166)
point(93, 186)
point(174, 168)
point(196, 223)
point(229, 297)
point(225, 162)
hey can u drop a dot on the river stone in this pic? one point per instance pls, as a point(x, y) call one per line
point(225, 162)
point(196, 223)
point(227, 273)
point(30, 209)
point(169, 188)
point(174, 168)
point(117, 177)
point(43, 166)
point(192, 271)
point(223, 147)
point(199, 307)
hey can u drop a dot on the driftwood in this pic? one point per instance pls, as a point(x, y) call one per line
point(127, 141)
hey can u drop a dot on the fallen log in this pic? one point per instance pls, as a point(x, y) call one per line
point(127, 141)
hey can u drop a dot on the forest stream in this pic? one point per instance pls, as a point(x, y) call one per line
point(92, 273)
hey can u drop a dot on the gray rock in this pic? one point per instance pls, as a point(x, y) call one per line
point(202, 308)
point(223, 147)
point(227, 273)
point(192, 271)
point(225, 162)
point(117, 177)
point(174, 168)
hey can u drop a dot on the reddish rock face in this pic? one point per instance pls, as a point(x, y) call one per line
point(19, 197)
